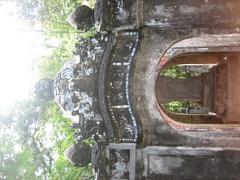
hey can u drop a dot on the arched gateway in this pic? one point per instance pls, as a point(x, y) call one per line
point(123, 91)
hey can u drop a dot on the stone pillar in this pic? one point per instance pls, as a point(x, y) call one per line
point(171, 89)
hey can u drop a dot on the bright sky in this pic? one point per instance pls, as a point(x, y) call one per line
point(18, 49)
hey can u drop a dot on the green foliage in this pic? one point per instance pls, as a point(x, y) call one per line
point(53, 15)
point(62, 136)
point(34, 135)
point(175, 72)
point(17, 159)
point(18, 166)
point(177, 106)
point(53, 18)
point(50, 65)
point(42, 135)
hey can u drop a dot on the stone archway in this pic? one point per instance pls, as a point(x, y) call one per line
point(212, 88)
point(158, 127)
point(222, 76)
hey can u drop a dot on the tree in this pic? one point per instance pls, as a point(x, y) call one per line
point(34, 134)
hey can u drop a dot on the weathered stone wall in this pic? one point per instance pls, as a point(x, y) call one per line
point(185, 163)
point(156, 128)
point(194, 13)
point(115, 15)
